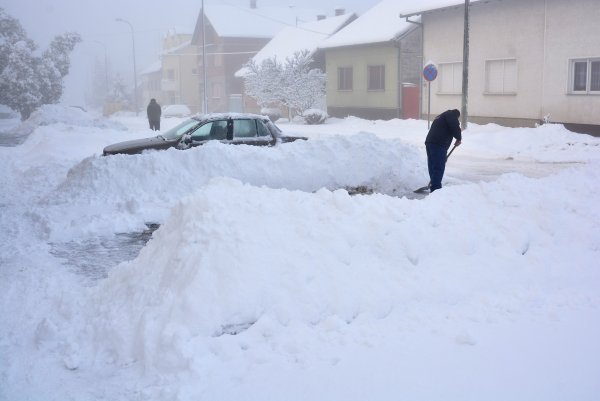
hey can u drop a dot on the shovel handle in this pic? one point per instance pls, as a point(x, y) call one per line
point(449, 153)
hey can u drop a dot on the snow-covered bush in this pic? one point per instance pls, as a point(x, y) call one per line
point(273, 113)
point(314, 116)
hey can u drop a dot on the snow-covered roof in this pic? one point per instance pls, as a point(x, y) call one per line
point(379, 24)
point(261, 22)
point(382, 23)
point(413, 7)
point(307, 36)
point(177, 48)
point(154, 67)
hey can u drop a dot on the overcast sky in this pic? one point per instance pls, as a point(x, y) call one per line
point(103, 35)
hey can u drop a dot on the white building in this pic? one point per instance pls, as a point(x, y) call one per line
point(530, 60)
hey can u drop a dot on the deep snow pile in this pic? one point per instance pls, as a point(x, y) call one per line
point(218, 266)
point(98, 191)
point(267, 281)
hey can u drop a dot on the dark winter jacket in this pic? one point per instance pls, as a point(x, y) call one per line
point(444, 128)
point(153, 111)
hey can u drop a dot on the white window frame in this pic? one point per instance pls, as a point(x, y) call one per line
point(588, 79)
point(440, 88)
point(504, 91)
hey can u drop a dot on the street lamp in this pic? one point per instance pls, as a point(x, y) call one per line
point(135, 88)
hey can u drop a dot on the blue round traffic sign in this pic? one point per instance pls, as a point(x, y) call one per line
point(430, 72)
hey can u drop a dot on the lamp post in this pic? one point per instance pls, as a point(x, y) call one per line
point(135, 88)
point(204, 97)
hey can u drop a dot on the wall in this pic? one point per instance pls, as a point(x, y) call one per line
point(542, 35)
point(573, 31)
point(360, 101)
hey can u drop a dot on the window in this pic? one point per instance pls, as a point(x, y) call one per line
point(584, 76)
point(244, 129)
point(501, 77)
point(216, 90)
point(171, 75)
point(376, 80)
point(450, 78)
point(262, 130)
point(345, 79)
point(211, 130)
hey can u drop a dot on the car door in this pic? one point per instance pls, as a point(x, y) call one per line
point(251, 132)
point(210, 131)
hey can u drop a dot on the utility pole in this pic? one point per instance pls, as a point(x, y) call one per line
point(204, 97)
point(135, 88)
point(465, 72)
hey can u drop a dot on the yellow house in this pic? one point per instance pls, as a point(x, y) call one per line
point(174, 79)
point(373, 66)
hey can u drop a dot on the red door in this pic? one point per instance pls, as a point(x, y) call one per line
point(410, 101)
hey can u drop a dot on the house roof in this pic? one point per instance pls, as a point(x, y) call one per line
point(174, 50)
point(262, 22)
point(306, 36)
point(416, 8)
point(152, 68)
point(383, 23)
point(379, 24)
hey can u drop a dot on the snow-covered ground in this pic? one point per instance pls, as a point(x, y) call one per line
point(267, 281)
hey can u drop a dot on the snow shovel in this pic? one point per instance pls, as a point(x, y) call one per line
point(426, 187)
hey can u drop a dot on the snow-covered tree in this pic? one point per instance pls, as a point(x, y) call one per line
point(293, 84)
point(55, 65)
point(27, 80)
point(263, 82)
point(303, 87)
point(118, 93)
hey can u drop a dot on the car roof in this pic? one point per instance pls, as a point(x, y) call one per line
point(229, 115)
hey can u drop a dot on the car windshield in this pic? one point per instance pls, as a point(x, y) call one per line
point(177, 131)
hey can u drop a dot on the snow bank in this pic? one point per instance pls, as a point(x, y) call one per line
point(234, 259)
point(101, 191)
point(51, 114)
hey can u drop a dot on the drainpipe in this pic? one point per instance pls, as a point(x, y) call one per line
point(420, 24)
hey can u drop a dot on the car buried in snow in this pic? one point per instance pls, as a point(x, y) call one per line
point(229, 128)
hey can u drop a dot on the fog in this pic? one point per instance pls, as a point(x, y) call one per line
point(106, 38)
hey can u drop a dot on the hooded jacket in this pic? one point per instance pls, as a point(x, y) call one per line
point(444, 128)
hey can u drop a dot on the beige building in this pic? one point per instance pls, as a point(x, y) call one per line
point(174, 79)
point(530, 60)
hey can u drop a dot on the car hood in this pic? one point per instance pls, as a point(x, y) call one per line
point(139, 145)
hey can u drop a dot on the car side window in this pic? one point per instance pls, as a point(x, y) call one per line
point(244, 129)
point(262, 129)
point(211, 130)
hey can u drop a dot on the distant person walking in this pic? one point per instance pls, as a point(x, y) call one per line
point(443, 129)
point(153, 111)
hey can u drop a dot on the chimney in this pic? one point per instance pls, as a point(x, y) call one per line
point(253, 4)
point(321, 17)
point(339, 11)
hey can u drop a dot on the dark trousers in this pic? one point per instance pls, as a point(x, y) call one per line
point(154, 125)
point(436, 164)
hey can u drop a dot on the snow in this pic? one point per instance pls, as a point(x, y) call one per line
point(382, 23)
point(293, 39)
point(379, 24)
point(176, 110)
point(267, 280)
point(262, 22)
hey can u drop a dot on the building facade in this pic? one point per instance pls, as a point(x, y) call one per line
point(529, 61)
